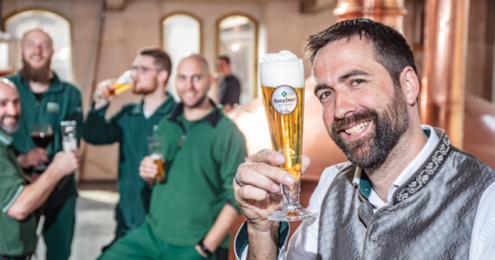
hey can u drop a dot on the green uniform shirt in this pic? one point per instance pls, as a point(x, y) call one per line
point(62, 101)
point(130, 129)
point(199, 176)
point(16, 237)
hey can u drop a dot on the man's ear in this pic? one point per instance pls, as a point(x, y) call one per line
point(163, 76)
point(410, 85)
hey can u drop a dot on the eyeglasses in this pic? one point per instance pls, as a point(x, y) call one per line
point(142, 69)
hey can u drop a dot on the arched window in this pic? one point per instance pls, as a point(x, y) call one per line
point(57, 27)
point(181, 37)
point(237, 38)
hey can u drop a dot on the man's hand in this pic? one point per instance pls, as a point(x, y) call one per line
point(100, 96)
point(262, 195)
point(148, 170)
point(65, 163)
point(32, 158)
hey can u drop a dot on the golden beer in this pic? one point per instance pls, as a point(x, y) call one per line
point(286, 130)
point(282, 85)
point(118, 88)
point(159, 161)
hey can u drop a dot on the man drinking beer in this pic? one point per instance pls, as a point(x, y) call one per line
point(130, 127)
point(192, 212)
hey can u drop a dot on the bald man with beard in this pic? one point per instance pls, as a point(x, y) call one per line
point(45, 99)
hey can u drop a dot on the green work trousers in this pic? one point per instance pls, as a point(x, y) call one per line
point(58, 229)
point(141, 243)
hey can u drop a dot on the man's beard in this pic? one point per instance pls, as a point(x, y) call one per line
point(9, 129)
point(144, 91)
point(41, 75)
point(197, 103)
point(371, 151)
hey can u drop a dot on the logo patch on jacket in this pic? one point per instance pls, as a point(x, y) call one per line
point(53, 107)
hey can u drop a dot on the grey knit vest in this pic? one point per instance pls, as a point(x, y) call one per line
point(431, 216)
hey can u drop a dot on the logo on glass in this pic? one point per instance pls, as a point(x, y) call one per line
point(284, 99)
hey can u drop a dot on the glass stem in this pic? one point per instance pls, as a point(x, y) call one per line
point(291, 195)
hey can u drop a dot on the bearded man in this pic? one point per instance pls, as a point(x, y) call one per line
point(406, 192)
point(45, 99)
point(130, 127)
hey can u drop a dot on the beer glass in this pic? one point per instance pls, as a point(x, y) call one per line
point(282, 85)
point(69, 134)
point(123, 83)
point(42, 136)
point(156, 154)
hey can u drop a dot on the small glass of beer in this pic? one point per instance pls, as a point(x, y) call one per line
point(156, 154)
point(282, 85)
point(123, 83)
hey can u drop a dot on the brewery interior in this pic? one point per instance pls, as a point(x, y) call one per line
point(453, 42)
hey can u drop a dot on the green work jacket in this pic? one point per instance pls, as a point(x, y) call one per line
point(62, 101)
point(129, 128)
point(16, 237)
point(201, 159)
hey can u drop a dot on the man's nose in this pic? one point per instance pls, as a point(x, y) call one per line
point(344, 105)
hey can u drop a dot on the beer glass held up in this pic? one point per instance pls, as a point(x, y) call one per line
point(156, 154)
point(123, 83)
point(282, 85)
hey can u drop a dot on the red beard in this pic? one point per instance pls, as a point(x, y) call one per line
point(41, 75)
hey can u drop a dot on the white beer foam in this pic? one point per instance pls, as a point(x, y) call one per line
point(283, 68)
point(156, 156)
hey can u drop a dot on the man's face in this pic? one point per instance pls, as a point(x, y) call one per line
point(223, 66)
point(36, 49)
point(10, 109)
point(145, 74)
point(362, 110)
point(193, 82)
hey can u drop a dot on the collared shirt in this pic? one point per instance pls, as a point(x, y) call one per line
point(129, 127)
point(16, 237)
point(61, 101)
point(365, 185)
point(201, 159)
point(304, 242)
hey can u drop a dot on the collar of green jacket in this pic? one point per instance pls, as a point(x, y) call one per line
point(212, 118)
point(55, 83)
point(163, 109)
point(5, 138)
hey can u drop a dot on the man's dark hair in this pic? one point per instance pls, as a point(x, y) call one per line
point(225, 58)
point(391, 49)
point(162, 60)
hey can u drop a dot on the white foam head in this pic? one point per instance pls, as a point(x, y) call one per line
point(283, 68)
point(156, 156)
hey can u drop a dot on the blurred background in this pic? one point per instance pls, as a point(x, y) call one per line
point(453, 42)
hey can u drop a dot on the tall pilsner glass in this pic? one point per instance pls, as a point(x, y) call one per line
point(282, 85)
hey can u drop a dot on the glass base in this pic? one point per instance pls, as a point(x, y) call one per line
point(292, 214)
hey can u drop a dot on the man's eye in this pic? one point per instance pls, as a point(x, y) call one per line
point(325, 95)
point(196, 78)
point(356, 82)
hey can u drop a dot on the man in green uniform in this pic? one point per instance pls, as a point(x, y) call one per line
point(45, 99)
point(192, 212)
point(130, 127)
point(18, 199)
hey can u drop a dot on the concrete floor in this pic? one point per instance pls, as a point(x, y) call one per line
point(95, 224)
